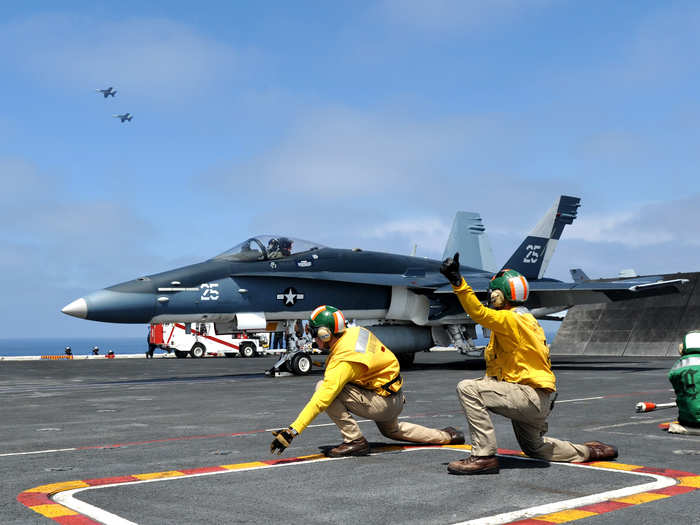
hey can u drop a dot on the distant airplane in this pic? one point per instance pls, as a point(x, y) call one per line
point(406, 300)
point(107, 92)
point(125, 116)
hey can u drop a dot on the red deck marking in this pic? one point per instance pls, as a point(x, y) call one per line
point(201, 470)
point(107, 481)
point(167, 440)
point(665, 472)
point(30, 499)
point(674, 490)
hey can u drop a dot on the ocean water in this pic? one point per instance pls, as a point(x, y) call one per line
point(79, 346)
point(120, 345)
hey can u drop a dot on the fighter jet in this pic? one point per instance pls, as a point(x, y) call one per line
point(125, 116)
point(409, 304)
point(107, 92)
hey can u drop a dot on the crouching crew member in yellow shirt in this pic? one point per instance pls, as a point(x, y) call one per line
point(518, 384)
point(362, 378)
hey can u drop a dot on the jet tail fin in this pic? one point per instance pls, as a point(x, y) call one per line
point(578, 275)
point(468, 237)
point(533, 255)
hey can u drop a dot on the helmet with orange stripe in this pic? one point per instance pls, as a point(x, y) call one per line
point(513, 285)
point(326, 321)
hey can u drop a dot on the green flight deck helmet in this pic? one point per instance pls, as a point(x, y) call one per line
point(513, 285)
point(326, 321)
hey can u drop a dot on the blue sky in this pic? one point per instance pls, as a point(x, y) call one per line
point(363, 123)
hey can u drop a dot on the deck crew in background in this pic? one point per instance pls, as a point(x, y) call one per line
point(362, 377)
point(685, 378)
point(519, 383)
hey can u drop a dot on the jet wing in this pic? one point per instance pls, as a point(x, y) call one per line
point(554, 293)
point(549, 293)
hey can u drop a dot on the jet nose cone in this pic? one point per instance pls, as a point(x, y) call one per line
point(77, 308)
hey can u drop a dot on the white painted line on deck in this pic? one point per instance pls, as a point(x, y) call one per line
point(549, 508)
point(37, 452)
point(635, 422)
point(580, 399)
point(67, 499)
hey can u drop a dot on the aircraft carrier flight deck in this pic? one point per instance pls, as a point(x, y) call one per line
point(187, 441)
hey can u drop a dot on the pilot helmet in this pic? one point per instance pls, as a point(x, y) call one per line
point(285, 245)
point(691, 343)
point(513, 285)
point(326, 321)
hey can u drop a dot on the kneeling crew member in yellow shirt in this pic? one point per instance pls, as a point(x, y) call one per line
point(362, 378)
point(518, 384)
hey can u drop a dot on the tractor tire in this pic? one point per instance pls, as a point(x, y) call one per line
point(198, 350)
point(247, 350)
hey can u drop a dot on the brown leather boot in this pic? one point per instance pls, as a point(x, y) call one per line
point(598, 451)
point(456, 437)
point(356, 447)
point(474, 465)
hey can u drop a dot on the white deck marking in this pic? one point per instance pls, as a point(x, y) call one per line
point(37, 452)
point(636, 422)
point(549, 508)
point(66, 497)
point(580, 399)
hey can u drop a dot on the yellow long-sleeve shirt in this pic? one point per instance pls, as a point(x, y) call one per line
point(517, 351)
point(358, 357)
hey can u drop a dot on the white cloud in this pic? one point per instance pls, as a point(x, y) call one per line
point(153, 58)
point(644, 225)
point(429, 233)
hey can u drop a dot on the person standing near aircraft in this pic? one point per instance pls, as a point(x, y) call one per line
point(519, 383)
point(362, 377)
point(685, 379)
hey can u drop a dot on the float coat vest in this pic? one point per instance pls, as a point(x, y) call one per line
point(685, 378)
point(380, 366)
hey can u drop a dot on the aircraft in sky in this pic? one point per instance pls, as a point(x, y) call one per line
point(410, 306)
point(107, 92)
point(125, 116)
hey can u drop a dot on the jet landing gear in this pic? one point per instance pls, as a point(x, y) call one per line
point(297, 362)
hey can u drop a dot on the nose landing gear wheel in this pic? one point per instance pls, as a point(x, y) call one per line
point(301, 364)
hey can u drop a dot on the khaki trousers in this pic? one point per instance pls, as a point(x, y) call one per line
point(384, 411)
point(526, 407)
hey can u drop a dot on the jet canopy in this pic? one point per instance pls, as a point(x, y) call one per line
point(267, 247)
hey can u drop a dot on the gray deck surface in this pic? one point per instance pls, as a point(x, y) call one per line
point(133, 416)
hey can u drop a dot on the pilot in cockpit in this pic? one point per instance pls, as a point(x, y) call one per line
point(277, 248)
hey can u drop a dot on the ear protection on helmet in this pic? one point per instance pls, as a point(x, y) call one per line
point(324, 334)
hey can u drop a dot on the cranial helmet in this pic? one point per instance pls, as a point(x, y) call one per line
point(326, 321)
point(513, 285)
point(691, 343)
